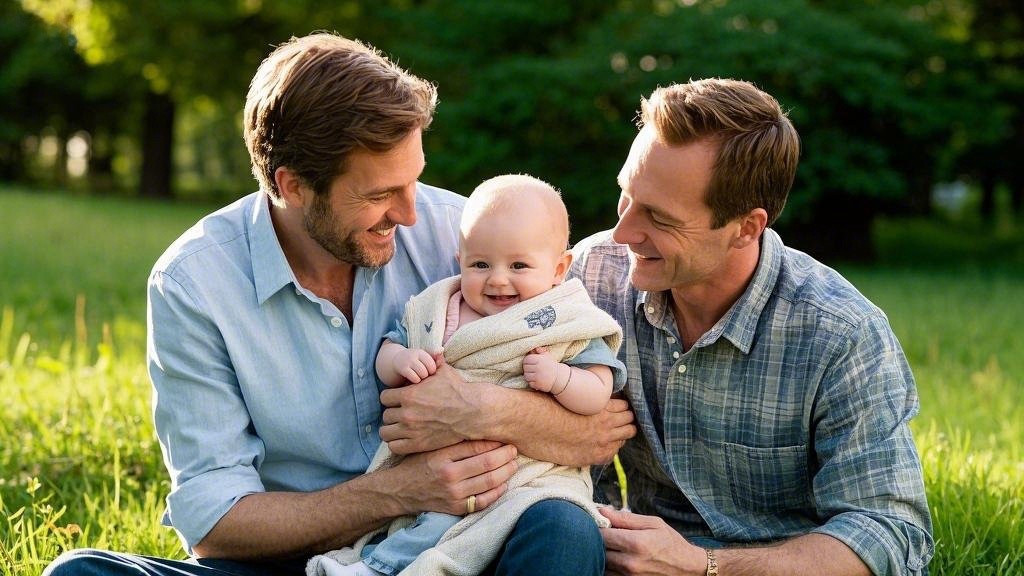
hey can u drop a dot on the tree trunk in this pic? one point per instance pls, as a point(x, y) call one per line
point(987, 208)
point(60, 163)
point(1016, 185)
point(157, 139)
point(12, 161)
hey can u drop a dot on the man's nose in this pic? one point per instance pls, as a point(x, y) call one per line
point(403, 207)
point(626, 231)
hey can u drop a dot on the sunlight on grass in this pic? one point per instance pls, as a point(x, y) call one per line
point(977, 503)
point(79, 463)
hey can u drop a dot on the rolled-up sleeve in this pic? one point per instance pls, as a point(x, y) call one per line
point(201, 420)
point(869, 482)
point(598, 352)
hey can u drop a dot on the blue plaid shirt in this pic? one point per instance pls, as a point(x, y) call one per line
point(789, 416)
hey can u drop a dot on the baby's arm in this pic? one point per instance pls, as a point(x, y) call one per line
point(583, 390)
point(396, 364)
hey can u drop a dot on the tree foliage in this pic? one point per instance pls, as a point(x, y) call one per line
point(888, 96)
point(45, 85)
point(877, 93)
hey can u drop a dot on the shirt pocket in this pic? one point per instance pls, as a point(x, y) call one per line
point(768, 479)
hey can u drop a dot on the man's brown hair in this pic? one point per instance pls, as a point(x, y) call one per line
point(758, 147)
point(317, 98)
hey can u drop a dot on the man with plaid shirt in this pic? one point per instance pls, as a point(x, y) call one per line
point(773, 398)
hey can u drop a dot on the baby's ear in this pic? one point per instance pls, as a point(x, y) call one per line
point(564, 261)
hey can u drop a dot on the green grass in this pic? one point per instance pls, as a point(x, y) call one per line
point(79, 462)
point(961, 333)
point(56, 249)
point(80, 466)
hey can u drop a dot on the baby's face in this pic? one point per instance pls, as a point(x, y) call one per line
point(507, 260)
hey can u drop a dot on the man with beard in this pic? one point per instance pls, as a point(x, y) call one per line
point(264, 321)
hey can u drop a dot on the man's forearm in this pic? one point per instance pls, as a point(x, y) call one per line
point(808, 554)
point(285, 524)
point(543, 429)
point(638, 544)
point(290, 524)
point(444, 409)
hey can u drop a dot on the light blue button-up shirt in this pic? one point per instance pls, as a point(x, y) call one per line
point(260, 385)
point(789, 416)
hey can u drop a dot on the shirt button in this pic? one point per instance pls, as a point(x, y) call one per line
point(675, 354)
point(682, 369)
point(336, 322)
point(671, 340)
point(368, 429)
point(650, 309)
point(360, 372)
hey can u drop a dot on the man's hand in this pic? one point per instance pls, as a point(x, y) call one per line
point(413, 364)
point(638, 544)
point(443, 410)
point(437, 412)
point(286, 524)
point(444, 479)
point(610, 430)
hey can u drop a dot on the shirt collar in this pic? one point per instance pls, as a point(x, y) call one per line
point(654, 306)
point(270, 269)
point(740, 322)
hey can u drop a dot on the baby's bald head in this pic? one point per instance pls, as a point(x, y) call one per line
point(521, 198)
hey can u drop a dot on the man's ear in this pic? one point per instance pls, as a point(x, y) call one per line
point(292, 188)
point(752, 224)
point(562, 267)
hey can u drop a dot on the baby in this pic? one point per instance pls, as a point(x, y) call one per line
point(507, 318)
point(514, 238)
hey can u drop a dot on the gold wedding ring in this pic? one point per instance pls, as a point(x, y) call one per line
point(471, 504)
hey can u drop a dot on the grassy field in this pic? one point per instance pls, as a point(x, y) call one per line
point(79, 464)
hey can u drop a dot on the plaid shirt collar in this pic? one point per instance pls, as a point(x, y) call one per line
point(739, 323)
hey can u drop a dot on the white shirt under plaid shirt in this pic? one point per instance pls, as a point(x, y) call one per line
point(789, 416)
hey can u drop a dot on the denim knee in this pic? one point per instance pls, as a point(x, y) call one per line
point(84, 562)
point(554, 537)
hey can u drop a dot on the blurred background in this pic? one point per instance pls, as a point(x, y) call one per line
point(906, 108)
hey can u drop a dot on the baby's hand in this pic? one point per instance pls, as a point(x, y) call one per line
point(540, 369)
point(414, 364)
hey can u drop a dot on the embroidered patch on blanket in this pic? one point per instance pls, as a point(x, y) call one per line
point(544, 318)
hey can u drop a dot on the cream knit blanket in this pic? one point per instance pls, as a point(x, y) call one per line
point(491, 349)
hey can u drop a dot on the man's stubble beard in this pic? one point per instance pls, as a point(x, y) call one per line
point(319, 222)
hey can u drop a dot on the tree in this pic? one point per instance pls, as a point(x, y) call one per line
point(512, 96)
point(876, 94)
point(44, 84)
point(179, 49)
point(888, 96)
point(997, 38)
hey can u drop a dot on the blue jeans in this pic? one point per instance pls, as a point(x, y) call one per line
point(552, 537)
point(394, 553)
